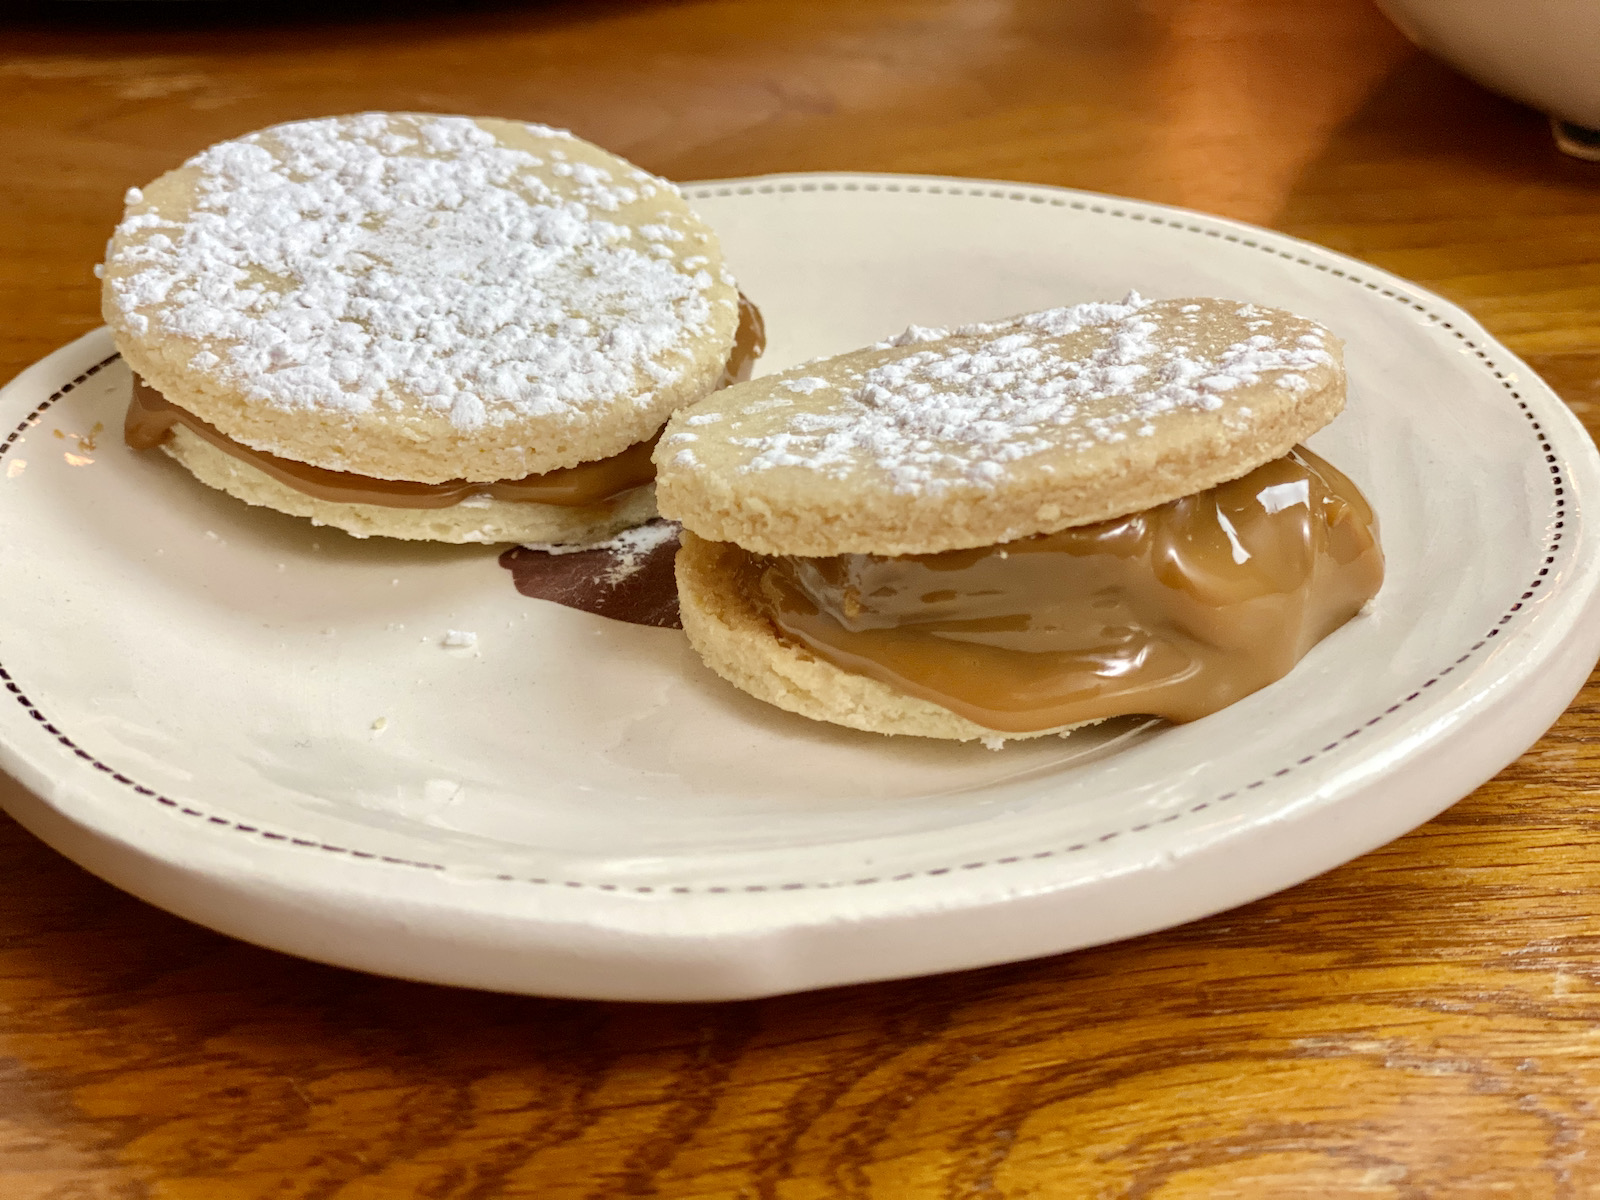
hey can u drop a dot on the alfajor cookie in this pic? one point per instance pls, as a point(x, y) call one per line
point(1018, 528)
point(430, 327)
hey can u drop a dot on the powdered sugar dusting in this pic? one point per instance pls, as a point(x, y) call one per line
point(631, 548)
point(371, 261)
point(913, 335)
point(805, 385)
point(961, 406)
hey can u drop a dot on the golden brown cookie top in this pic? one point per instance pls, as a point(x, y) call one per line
point(417, 296)
point(939, 440)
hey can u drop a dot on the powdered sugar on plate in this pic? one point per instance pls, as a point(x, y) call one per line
point(359, 262)
point(629, 549)
point(964, 403)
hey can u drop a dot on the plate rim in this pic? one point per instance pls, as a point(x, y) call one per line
point(1565, 471)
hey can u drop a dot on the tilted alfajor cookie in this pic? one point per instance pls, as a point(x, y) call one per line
point(1019, 528)
point(464, 330)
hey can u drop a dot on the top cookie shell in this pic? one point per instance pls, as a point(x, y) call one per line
point(409, 296)
point(942, 440)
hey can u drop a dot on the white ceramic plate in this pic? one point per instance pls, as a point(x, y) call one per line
point(578, 808)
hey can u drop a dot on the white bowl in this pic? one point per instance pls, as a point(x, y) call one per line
point(1543, 52)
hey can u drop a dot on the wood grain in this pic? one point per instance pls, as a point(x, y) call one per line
point(1419, 1023)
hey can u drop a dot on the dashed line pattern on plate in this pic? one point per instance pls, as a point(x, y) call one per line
point(935, 189)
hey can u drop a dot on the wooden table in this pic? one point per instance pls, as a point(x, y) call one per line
point(1424, 1022)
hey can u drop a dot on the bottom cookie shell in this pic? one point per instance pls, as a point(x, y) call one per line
point(740, 644)
point(486, 522)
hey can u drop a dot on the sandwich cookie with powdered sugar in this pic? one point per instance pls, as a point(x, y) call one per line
point(1014, 529)
point(427, 327)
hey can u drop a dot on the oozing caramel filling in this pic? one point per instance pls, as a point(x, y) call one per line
point(749, 340)
point(1176, 611)
point(151, 417)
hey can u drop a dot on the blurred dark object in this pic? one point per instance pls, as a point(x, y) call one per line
point(1545, 53)
point(178, 15)
point(1577, 140)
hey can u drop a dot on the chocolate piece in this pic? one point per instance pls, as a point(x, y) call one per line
point(1176, 611)
point(629, 578)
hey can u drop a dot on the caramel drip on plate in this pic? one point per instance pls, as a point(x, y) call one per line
point(1176, 611)
point(151, 417)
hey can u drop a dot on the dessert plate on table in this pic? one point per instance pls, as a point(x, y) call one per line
point(269, 728)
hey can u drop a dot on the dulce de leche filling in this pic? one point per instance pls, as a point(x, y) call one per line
point(1176, 611)
point(151, 417)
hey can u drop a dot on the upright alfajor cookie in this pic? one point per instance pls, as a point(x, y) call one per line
point(458, 329)
point(1017, 528)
